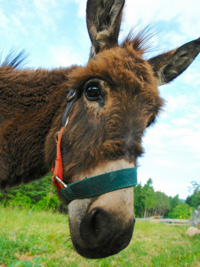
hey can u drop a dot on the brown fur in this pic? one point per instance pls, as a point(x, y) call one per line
point(29, 101)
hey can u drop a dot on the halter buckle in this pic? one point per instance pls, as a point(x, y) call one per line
point(60, 181)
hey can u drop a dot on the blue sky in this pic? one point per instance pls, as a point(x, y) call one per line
point(54, 34)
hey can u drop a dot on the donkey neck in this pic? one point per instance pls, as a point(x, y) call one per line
point(30, 103)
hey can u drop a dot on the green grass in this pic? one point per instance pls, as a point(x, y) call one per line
point(36, 239)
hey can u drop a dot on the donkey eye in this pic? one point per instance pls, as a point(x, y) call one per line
point(151, 120)
point(93, 91)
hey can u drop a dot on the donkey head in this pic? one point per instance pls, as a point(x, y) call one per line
point(116, 100)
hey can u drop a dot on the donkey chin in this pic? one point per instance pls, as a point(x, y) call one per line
point(103, 225)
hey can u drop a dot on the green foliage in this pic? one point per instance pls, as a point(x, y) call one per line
point(149, 194)
point(162, 204)
point(49, 202)
point(174, 201)
point(181, 211)
point(139, 200)
point(38, 195)
point(147, 202)
point(194, 199)
point(21, 201)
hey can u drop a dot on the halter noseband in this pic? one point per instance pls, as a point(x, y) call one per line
point(92, 186)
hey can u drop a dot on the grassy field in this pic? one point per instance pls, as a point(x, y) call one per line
point(36, 239)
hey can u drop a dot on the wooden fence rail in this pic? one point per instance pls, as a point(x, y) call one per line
point(167, 221)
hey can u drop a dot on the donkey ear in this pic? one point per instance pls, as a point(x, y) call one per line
point(169, 65)
point(103, 23)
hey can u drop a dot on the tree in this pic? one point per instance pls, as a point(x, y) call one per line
point(139, 200)
point(194, 199)
point(174, 201)
point(149, 198)
point(147, 202)
point(162, 204)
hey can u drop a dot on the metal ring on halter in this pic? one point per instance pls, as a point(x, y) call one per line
point(56, 137)
point(70, 100)
point(71, 95)
point(67, 121)
point(60, 181)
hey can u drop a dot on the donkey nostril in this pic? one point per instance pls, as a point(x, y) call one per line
point(100, 223)
point(95, 224)
point(102, 234)
point(95, 227)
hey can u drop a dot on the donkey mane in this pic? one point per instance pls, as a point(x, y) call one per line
point(14, 60)
point(140, 40)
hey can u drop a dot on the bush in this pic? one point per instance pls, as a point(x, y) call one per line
point(181, 211)
point(21, 201)
point(49, 202)
point(37, 195)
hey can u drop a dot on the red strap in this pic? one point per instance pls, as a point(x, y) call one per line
point(58, 169)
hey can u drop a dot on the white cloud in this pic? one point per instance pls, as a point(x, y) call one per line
point(161, 14)
point(192, 75)
point(168, 137)
point(146, 12)
point(176, 103)
point(165, 179)
point(187, 102)
point(82, 8)
point(192, 142)
point(173, 187)
point(157, 10)
point(189, 19)
point(181, 122)
point(163, 162)
point(64, 56)
point(4, 21)
point(18, 24)
point(46, 11)
point(154, 135)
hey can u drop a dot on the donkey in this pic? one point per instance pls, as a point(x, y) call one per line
point(106, 106)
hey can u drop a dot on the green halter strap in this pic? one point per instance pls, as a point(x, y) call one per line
point(98, 185)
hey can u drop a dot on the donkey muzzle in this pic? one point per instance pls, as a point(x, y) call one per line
point(102, 226)
point(103, 236)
